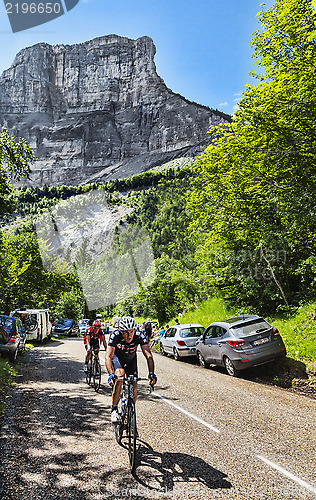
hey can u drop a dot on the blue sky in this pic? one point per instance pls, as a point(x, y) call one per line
point(202, 46)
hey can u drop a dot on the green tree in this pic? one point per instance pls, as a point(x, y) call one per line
point(15, 161)
point(69, 305)
point(254, 189)
point(23, 279)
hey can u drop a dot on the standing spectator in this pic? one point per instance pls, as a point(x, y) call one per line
point(148, 329)
point(107, 328)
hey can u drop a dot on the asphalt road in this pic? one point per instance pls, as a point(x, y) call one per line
point(202, 434)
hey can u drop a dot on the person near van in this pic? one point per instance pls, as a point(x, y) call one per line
point(92, 339)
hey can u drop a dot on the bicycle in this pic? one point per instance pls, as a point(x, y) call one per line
point(94, 370)
point(29, 323)
point(127, 414)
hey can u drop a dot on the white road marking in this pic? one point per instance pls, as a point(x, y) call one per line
point(288, 474)
point(187, 413)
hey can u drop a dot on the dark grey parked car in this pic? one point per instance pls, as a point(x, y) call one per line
point(66, 327)
point(239, 343)
point(180, 340)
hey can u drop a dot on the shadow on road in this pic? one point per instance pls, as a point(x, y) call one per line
point(280, 372)
point(57, 440)
point(168, 472)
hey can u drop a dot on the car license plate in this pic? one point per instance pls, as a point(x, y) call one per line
point(261, 341)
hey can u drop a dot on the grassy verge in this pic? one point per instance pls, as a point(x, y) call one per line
point(8, 373)
point(7, 381)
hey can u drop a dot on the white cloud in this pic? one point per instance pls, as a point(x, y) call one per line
point(223, 103)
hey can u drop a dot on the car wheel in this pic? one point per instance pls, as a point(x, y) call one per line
point(231, 370)
point(201, 360)
point(163, 352)
point(176, 354)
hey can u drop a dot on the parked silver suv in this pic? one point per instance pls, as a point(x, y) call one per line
point(239, 343)
point(180, 340)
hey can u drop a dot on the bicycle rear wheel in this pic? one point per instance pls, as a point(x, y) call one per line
point(96, 375)
point(88, 372)
point(31, 324)
point(132, 435)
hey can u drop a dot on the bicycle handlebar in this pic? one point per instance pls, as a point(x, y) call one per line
point(132, 378)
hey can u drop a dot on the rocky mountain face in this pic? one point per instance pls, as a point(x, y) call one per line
point(98, 111)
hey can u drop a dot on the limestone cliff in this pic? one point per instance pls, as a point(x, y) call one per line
point(98, 111)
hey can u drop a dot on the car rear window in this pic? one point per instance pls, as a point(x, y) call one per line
point(192, 331)
point(251, 328)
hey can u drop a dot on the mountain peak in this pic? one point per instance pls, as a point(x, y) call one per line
point(98, 110)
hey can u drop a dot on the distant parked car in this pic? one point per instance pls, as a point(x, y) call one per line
point(83, 326)
point(239, 343)
point(12, 338)
point(180, 340)
point(66, 327)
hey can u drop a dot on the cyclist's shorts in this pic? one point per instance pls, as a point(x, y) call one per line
point(128, 365)
point(94, 344)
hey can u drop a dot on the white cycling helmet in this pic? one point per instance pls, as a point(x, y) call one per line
point(127, 323)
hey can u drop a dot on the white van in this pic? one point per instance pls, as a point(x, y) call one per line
point(44, 326)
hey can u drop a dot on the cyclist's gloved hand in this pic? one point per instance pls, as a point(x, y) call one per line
point(112, 378)
point(153, 379)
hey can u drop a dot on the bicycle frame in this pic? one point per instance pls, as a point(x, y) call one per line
point(128, 417)
point(94, 370)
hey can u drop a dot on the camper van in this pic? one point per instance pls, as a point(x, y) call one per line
point(42, 326)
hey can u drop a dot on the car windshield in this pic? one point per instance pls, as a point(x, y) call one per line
point(64, 322)
point(192, 331)
point(251, 328)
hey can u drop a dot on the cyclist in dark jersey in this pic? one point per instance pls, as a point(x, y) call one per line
point(121, 360)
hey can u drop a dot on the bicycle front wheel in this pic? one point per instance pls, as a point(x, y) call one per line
point(132, 435)
point(118, 432)
point(96, 375)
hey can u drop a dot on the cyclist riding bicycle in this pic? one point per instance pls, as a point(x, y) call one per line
point(94, 336)
point(121, 359)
